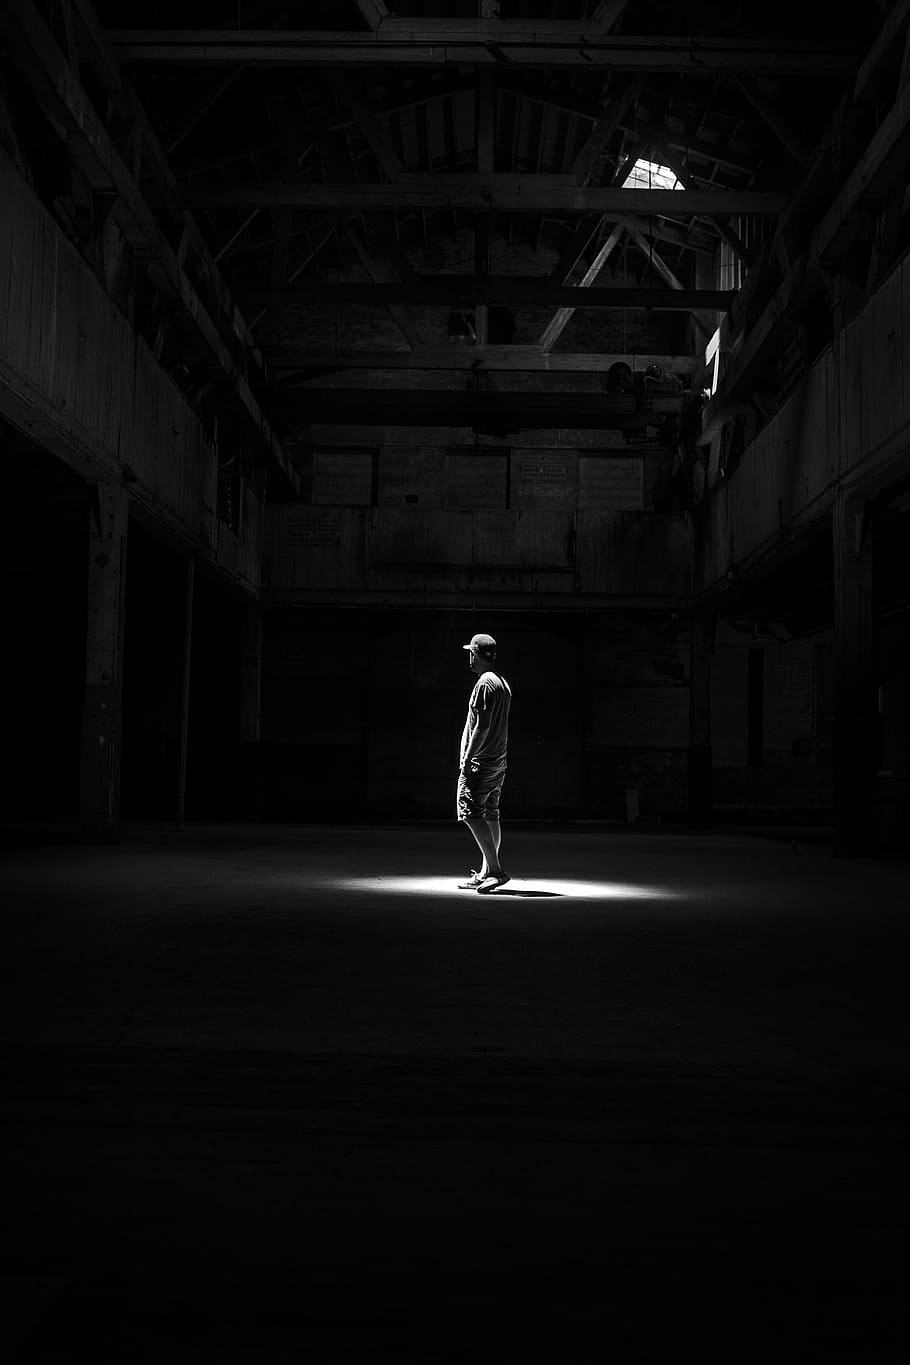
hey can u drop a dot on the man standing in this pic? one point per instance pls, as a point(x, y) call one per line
point(482, 767)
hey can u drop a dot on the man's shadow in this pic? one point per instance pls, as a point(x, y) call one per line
point(514, 891)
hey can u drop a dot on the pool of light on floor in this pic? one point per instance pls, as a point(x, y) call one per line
point(517, 888)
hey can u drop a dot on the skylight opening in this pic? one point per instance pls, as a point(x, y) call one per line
point(649, 175)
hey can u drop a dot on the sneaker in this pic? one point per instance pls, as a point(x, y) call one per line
point(493, 882)
point(472, 883)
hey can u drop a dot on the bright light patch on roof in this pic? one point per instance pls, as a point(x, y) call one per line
point(648, 175)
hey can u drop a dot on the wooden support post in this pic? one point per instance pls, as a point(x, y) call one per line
point(101, 752)
point(701, 647)
point(855, 661)
point(185, 691)
point(483, 264)
point(251, 713)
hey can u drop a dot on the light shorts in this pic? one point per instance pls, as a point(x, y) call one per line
point(480, 799)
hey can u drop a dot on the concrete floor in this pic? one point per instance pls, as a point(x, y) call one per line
point(284, 1094)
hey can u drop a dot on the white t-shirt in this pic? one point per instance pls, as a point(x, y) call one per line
point(486, 730)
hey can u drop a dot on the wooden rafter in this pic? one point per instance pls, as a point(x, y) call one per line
point(458, 407)
point(675, 163)
point(483, 222)
point(606, 13)
point(659, 265)
point(381, 274)
point(366, 123)
point(509, 358)
point(464, 291)
point(283, 221)
point(504, 193)
point(557, 323)
point(482, 42)
point(885, 158)
point(882, 165)
point(594, 145)
point(716, 153)
point(786, 135)
point(67, 106)
point(373, 11)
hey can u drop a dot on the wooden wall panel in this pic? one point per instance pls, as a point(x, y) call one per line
point(544, 540)
point(69, 357)
point(315, 548)
point(343, 477)
point(851, 405)
point(638, 717)
point(643, 554)
point(476, 479)
point(494, 540)
point(414, 536)
point(544, 478)
point(610, 483)
point(411, 476)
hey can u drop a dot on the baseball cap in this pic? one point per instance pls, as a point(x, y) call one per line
point(482, 644)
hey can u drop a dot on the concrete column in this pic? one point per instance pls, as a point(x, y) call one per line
point(701, 647)
point(856, 665)
point(251, 713)
point(101, 755)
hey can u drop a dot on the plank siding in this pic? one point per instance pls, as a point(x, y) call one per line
point(851, 410)
point(629, 553)
point(76, 377)
point(422, 554)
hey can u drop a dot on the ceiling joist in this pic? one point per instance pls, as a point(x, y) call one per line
point(482, 42)
point(505, 193)
point(508, 358)
point(464, 291)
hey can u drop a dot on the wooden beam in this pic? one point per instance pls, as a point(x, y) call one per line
point(464, 291)
point(483, 264)
point(278, 270)
point(504, 409)
point(675, 164)
point(102, 711)
point(381, 274)
point(106, 64)
point(884, 160)
point(787, 136)
point(508, 358)
point(607, 13)
point(856, 654)
point(485, 122)
point(368, 128)
point(482, 42)
point(202, 106)
point(557, 324)
point(574, 250)
point(880, 53)
point(502, 193)
point(373, 11)
point(681, 141)
point(592, 148)
point(44, 68)
point(658, 264)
